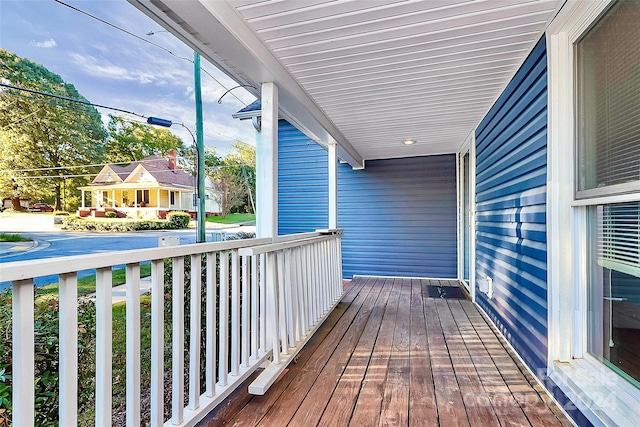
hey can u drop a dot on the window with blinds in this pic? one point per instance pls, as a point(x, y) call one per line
point(618, 237)
point(608, 164)
point(608, 59)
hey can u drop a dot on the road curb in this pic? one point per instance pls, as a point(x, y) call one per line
point(8, 249)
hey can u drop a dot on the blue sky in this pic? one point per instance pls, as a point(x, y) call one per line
point(112, 68)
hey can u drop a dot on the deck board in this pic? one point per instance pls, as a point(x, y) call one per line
point(391, 355)
point(341, 403)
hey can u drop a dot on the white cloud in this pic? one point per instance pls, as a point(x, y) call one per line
point(47, 44)
point(105, 69)
point(220, 129)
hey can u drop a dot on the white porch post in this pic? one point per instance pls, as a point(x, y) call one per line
point(113, 198)
point(333, 185)
point(82, 201)
point(267, 164)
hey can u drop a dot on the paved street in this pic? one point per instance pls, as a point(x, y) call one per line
point(50, 241)
point(48, 244)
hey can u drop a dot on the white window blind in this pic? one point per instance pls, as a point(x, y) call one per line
point(609, 115)
point(618, 240)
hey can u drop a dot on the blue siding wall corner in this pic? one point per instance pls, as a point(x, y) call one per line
point(303, 185)
point(399, 215)
point(511, 240)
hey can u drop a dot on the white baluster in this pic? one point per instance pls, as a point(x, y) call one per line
point(104, 337)
point(157, 343)
point(235, 313)
point(282, 306)
point(288, 300)
point(262, 280)
point(295, 292)
point(272, 306)
point(212, 304)
point(255, 318)
point(194, 331)
point(23, 393)
point(177, 350)
point(302, 293)
point(68, 327)
point(223, 322)
point(133, 344)
point(245, 305)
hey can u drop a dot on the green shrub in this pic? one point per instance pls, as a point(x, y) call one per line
point(83, 224)
point(46, 332)
point(111, 215)
point(60, 213)
point(241, 235)
point(179, 219)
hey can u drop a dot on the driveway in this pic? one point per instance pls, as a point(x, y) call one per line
point(32, 221)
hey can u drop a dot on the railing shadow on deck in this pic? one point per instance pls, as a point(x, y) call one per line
point(251, 303)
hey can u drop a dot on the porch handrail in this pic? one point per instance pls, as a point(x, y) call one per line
point(22, 270)
point(263, 299)
point(290, 321)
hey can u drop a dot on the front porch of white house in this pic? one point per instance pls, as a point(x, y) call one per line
point(136, 201)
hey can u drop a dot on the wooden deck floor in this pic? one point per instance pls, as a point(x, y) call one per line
point(391, 355)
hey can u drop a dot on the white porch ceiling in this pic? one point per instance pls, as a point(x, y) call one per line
point(368, 73)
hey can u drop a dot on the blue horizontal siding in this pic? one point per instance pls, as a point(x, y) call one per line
point(511, 240)
point(303, 186)
point(399, 215)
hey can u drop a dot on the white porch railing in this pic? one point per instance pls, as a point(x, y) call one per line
point(264, 299)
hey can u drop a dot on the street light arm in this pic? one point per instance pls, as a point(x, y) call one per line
point(198, 144)
point(229, 90)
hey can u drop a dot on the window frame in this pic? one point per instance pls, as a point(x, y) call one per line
point(600, 394)
point(468, 148)
point(143, 199)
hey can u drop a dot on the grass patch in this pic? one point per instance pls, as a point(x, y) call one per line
point(232, 218)
point(13, 238)
point(87, 284)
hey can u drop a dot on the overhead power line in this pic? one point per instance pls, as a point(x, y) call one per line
point(150, 42)
point(78, 166)
point(29, 98)
point(64, 98)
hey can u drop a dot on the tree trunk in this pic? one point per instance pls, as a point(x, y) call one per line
point(224, 206)
point(15, 204)
point(58, 198)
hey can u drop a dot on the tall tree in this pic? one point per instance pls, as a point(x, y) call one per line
point(242, 163)
point(233, 178)
point(44, 142)
point(133, 141)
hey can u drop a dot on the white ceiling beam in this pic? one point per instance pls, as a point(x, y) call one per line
point(218, 33)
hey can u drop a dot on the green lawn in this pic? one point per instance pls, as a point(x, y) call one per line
point(13, 238)
point(233, 219)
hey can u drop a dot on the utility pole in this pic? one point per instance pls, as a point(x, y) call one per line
point(202, 214)
point(201, 196)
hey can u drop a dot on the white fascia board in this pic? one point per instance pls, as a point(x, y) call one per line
point(217, 32)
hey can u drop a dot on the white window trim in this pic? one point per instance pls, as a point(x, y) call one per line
point(601, 395)
point(469, 147)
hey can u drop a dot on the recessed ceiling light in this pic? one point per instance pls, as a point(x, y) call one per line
point(409, 141)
